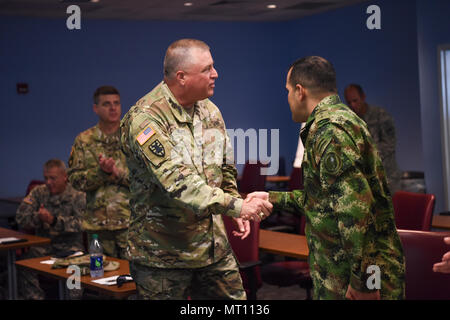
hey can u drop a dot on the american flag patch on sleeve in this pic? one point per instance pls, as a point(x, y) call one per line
point(145, 135)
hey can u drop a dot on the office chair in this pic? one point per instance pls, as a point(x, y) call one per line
point(32, 185)
point(413, 211)
point(422, 249)
point(296, 179)
point(247, 254)
point(252, 179)
point(289, 273)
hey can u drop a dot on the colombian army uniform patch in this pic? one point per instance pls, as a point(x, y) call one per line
point(157, 148)
point(332, 163)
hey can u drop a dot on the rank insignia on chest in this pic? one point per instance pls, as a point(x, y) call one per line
point(157, 148)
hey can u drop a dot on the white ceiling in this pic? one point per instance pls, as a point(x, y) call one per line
point(200, 10)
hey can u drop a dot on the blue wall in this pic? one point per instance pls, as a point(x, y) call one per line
point(64, 67)
point(433, 29)
point(383, 61)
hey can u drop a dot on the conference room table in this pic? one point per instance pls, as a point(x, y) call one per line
point(441, 222)
point(285, 244)
point(60, 274)
point(30, 240)
point(13, 200)
point(278, 179)
point(295, 245)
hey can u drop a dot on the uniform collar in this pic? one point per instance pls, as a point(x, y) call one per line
point(178, 111)
point(66, 194)
point(101, 136)
point(322, 105)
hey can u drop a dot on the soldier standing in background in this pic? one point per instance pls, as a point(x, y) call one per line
point(382, 129)
point(54, 211)
point(176, 146)
point(97, 166)
point(349, 214)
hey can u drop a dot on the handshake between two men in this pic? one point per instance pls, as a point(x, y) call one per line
point(256, 207)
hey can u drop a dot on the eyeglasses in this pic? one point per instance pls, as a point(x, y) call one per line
point(122, 279)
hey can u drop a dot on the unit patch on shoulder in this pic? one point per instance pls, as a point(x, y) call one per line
point(144, 135)
point(157, 148)
point(332, 163)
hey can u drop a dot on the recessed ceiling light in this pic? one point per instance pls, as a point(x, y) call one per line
point(95, 1)
point(271, 6)
point(188, 4)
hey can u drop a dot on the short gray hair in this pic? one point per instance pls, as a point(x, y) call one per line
point(179, 53)
point(52, 163)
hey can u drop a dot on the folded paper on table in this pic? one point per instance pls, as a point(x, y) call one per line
point(11, 240)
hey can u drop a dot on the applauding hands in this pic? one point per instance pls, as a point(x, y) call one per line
point(45, 215)
point(108, 165)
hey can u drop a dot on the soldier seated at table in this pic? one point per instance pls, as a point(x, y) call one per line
point(54, 211)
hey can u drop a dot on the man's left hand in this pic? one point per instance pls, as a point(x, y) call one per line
point(243, 226)
point(353, 294)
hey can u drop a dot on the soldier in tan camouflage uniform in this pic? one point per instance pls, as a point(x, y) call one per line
point(182, 180)
point(382, 129)
point(349, 214)
point(98, 167)
point(54, 211)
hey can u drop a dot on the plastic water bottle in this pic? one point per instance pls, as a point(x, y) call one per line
point(96, 254)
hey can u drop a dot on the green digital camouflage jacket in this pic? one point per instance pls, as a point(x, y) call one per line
point(67, 208)
point(349, 214)
point(107, 196)
point(182, 179)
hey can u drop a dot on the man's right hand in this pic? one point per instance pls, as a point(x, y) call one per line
point(256, 209)
point(257, 194)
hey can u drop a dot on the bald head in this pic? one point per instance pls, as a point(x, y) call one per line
point(179, 56)
point(356, 99)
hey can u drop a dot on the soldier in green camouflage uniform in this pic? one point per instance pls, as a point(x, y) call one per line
point(181, 183)
point(54, 211)
point(349, 214)
point(382, 129)
point(98, 167)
